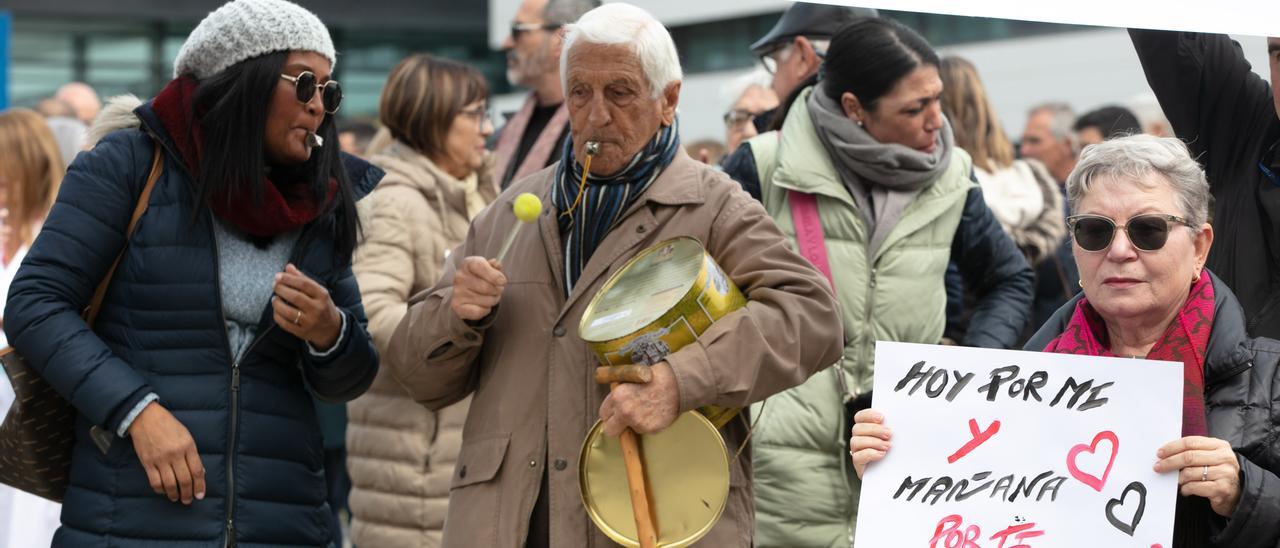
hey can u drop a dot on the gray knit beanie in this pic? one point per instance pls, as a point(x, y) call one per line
point(244, 29)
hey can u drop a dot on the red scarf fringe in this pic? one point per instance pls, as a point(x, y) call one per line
point(1185, 341)
point(286, 206)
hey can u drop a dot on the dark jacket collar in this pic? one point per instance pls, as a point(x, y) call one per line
point(1227, 351)
point(363, 175)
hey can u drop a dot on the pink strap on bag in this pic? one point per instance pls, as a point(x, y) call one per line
point(813, 244)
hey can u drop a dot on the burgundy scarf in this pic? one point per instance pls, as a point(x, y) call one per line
point(1184, 341)
point(286, 206)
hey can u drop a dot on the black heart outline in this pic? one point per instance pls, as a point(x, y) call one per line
point(1128, 528)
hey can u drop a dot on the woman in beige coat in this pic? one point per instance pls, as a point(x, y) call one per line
point(400, 454)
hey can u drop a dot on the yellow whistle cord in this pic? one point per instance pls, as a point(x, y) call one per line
point(582, 186)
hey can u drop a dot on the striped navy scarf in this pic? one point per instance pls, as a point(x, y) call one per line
point(605, 199)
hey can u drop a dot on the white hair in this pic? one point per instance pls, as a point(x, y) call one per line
point(1062, 120)
point(1133, 159)
point(619, 23)
point(736, 87)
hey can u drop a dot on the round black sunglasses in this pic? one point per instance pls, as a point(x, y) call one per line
point(306, 84)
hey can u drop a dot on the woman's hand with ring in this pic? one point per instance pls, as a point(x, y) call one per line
point(303, 308)
point(1207, 467)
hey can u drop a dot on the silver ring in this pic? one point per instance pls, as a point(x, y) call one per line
point(1204, 474)
point(297, 318)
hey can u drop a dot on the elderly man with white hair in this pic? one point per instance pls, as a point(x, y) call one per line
point(507, 333)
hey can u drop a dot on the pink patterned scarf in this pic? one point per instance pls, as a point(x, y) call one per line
point(1185, 341)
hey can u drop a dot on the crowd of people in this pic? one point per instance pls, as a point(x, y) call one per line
point(307, 339)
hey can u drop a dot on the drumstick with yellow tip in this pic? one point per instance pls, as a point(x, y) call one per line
point(527, 207)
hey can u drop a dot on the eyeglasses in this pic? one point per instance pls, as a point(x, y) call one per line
point(1147, 232)
point(771, 58)
point(305, 85)
point(738, 116)
point(480, 114)
point(775, 56)
point(520, 28)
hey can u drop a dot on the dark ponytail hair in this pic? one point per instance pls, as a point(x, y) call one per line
point(868, 56)
point(232, 107)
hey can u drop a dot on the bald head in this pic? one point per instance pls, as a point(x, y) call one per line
point(50, 107)
point(82, 99)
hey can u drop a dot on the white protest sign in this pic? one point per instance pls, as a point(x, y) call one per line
point(999, 448)
point(1220, 16)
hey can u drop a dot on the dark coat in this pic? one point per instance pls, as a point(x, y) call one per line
point(1227, 116)
point(161, 330)
point(1241, 387)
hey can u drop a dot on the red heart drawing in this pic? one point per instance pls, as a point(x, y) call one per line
point(1093, 481)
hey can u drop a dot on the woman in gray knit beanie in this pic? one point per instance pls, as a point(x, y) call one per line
point(234, 299)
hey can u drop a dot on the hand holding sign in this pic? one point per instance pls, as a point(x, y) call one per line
point(870, 441)
point(1207, 467)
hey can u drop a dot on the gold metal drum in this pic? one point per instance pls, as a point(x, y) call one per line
point(658, 302)
point(688, 471)
point(661, 300)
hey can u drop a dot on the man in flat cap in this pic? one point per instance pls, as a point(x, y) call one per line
point(793, 49)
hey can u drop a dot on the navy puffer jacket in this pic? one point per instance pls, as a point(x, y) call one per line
point(161, 330)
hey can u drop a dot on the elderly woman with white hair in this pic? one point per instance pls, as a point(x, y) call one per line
point(1141, 234)
point(507, 333)
point(749, 97)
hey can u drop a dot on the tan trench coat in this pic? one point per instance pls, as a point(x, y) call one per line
point(534, 397)
point(400, 454)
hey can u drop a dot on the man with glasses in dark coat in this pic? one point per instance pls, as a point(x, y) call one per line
point(793, 49)
point(531, 139)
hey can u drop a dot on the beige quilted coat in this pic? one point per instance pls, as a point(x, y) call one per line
point(400, 454)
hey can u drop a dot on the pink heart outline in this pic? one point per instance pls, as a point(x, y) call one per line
point(1087, 479)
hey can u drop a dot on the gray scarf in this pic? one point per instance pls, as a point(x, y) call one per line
point(883, 178)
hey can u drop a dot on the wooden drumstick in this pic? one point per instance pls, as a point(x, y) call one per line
point(609, 374)
point(646, 525)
